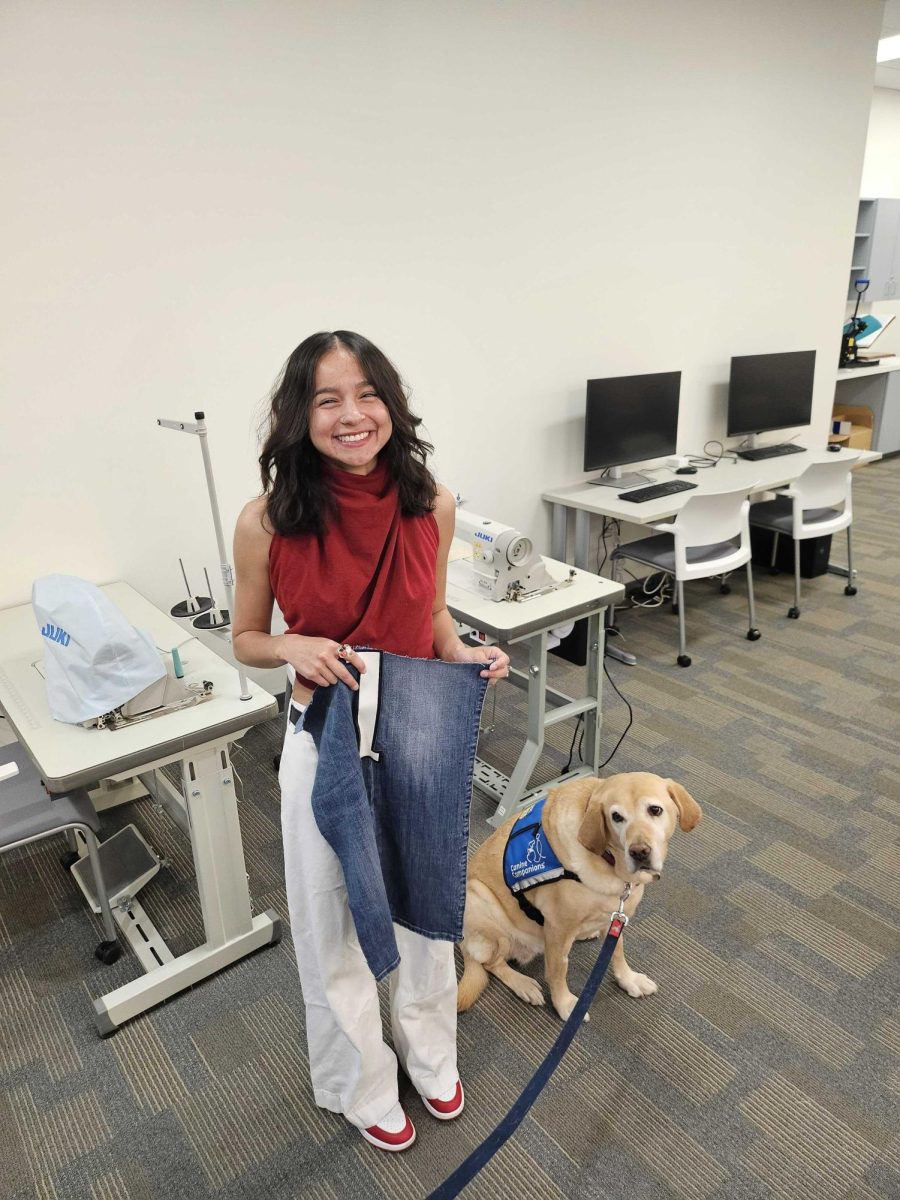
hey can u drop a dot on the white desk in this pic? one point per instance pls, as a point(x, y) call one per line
point(885, 366)
point(529, 622)
point(198, 739)
point(583, 499)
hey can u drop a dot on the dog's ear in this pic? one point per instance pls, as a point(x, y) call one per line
point(689, 811)
point(593, 833)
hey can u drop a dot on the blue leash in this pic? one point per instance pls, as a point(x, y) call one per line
point(469, 1168)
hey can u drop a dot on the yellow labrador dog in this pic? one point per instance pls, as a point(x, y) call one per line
point(606, 832)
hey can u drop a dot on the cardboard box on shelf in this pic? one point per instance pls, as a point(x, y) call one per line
point(861, 422)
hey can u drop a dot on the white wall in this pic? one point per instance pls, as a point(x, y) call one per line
point(881, 177)
point(881, 164)
point(508, 197)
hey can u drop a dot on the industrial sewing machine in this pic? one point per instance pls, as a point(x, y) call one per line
point(166, 695)
point(504, 564)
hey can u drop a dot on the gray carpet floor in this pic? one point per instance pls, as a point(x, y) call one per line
point(768, 1064)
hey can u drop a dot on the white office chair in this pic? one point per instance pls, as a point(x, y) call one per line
point(817, 503)
point(709, 536)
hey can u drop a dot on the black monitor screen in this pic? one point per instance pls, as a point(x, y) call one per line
point(630, 418)
point(770, 391)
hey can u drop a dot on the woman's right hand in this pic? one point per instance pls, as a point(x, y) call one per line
point(320, 660)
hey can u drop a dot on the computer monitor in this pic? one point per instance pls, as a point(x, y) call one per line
point(629, 419)
point(770, 391)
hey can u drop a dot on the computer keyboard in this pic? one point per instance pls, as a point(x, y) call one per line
point(655, 490)
point(770, 451)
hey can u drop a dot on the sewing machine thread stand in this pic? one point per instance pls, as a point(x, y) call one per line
point(215, 618)
point(199, 430)
point(194, 604)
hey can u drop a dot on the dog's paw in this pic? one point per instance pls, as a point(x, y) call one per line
point(637, 985)
point(529, 990)
point(566, 1004)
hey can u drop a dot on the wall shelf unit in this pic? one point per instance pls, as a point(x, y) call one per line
point(876, 249)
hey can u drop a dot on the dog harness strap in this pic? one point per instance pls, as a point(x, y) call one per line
point(528, 908)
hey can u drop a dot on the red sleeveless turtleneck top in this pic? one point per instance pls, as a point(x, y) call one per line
point(370, 581)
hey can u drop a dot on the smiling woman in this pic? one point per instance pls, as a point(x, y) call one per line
point(351, 538)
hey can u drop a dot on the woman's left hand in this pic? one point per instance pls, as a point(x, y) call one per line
point(497, 662)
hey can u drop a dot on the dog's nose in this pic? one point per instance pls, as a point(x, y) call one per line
point(640, 853)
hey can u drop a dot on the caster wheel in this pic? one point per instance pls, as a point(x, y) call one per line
point(753, 635)
point(68, 860)
point(725, 589)
point(108, 952)
point(684, 660)
point(793, 613)
point(850, 590)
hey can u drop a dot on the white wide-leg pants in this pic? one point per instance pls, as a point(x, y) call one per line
point(353, 1071)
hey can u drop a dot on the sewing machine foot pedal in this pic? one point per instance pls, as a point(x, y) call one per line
point(127, 863)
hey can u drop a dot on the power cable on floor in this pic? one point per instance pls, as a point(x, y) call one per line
point(580, 725)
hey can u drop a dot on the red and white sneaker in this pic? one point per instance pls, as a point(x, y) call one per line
point(396, 1131)
point(445, 1108)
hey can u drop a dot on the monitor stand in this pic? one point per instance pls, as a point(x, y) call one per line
point(616, 479)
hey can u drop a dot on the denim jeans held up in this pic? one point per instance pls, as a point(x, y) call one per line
point(398, 817)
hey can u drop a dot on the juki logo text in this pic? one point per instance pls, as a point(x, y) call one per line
point(55, 634)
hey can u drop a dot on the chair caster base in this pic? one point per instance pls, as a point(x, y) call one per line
point(850, 590)
point(793, 613)
point(725, 589)
point(753, 635)
point(684, 660)
point(68, 860)
point(108, 952)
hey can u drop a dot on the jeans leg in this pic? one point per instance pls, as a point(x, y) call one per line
point(423, 1012)
point(353, 1071)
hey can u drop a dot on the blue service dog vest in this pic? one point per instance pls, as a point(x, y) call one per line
point(529, 860)
point(392, 791)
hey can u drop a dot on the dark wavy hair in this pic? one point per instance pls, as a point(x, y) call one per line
point(299, 500)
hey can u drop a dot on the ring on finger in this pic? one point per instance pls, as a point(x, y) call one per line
point(344, 651)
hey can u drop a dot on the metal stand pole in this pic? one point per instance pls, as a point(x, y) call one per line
point(199, 430)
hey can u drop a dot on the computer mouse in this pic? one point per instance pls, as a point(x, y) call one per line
point(834, 448)
point(686, 471)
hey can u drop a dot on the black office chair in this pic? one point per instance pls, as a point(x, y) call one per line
point(28, 813)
